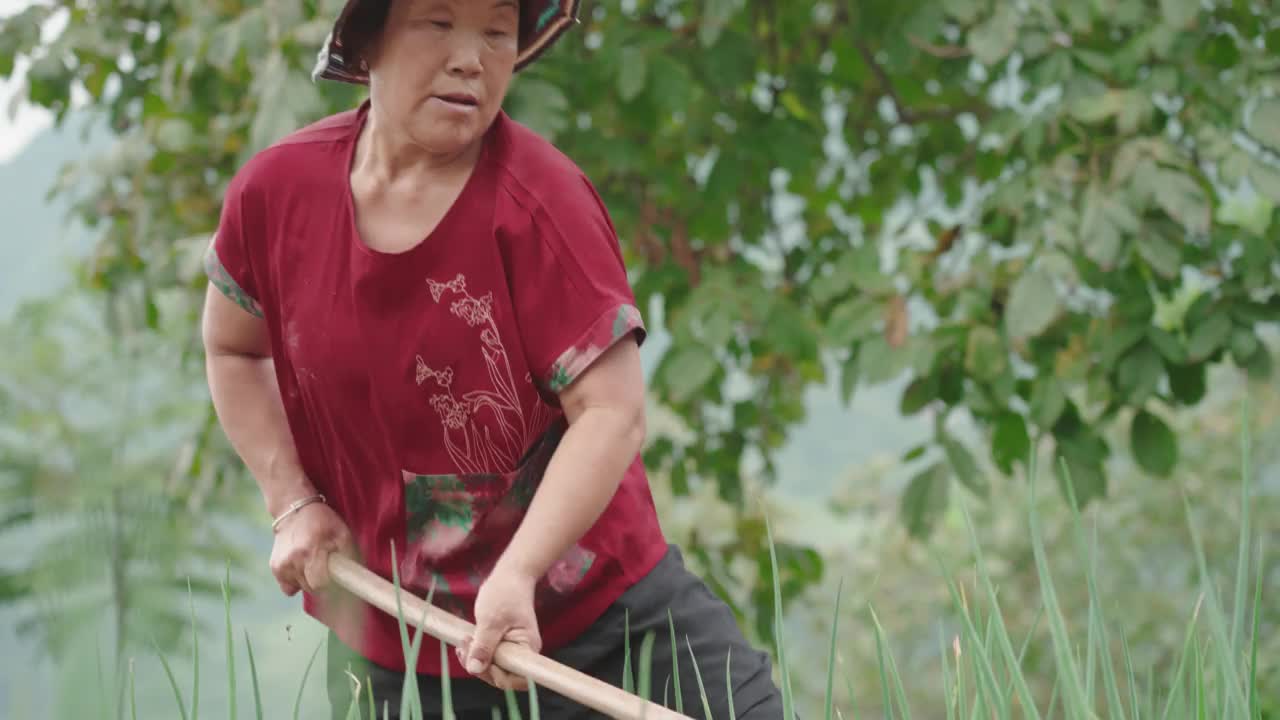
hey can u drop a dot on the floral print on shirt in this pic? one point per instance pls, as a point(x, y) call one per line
point(226, 284)
point(599, 337)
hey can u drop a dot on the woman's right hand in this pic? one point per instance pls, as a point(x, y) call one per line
point(300, 554)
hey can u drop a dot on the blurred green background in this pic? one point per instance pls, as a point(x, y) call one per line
point(887, 249)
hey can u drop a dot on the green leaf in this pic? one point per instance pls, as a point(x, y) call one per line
point(1155, 447)
point(918, 394)
point(1138, 374)
point(689, 368)
point(1188, 383)
point(1209, 335)
point(863, 265)
point(880, 362)
point(1182, 198)
point(985, 355)
point(849, 372)
point(1266, 182)
point(1048, 401)
point(174, 135)
point(1033, 305)
point(925, 499)
point(1010, 442)
point(966, 11)
point(1170, 347)
point(1264, 123)
point(1104, 222)
point(965, 467)
point(1243, 345)
point(1098, 107)
point(1179, 13)
point(1260, 366)
point(715, 15)
point(852, 320)
point(633, 66)
point(541, 105)
point(1162, 254)
point(993, 40)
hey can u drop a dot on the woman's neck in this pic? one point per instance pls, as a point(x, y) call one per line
point(390, 157)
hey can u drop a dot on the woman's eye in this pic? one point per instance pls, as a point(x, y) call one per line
point(497, 33)
point(441, 24)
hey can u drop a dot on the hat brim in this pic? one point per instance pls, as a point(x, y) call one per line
point(542, 24)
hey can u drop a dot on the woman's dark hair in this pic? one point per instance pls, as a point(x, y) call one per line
point(360, 30)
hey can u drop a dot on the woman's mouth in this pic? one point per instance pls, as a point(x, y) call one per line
point(458, 101)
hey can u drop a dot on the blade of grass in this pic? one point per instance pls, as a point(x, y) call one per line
point(102, 682)
point(675, 662)
point(697, 675)
point(788, 695)
point(646, 664)
point(831, 655)
point(1115, 706)
point(410, 700)
point(728, 683)
point(133, 693)
point(885, 689)
point(1235, 704)
point(513, 706)
point(1176, 685)
point(999, 691)
point(195, 656)
point(628, 683)
point(446, 687)
point(984, 672)
point(1054, 697)
point(353, 709)
point(253, 675)
point(173, 682)
point(948, 689)
point(297, 703)
point(1255, 708)
point(231, 647)
point(1075, 705)
point(1197, 682)
point(534, 712)
point(885, 653)
point(1131, 679)
point(1006, 646)
point(1242, 557)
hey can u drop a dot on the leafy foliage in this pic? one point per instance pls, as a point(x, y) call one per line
point(117, 529)
point(1045, 217)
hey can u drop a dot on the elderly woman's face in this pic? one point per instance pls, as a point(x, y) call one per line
point(441, 68)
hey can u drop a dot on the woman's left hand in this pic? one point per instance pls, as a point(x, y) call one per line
point(504, 612)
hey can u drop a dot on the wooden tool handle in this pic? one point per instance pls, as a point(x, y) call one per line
point(518, 659)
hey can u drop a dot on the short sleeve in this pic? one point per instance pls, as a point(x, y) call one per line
point(227, 261)
point(569, 286)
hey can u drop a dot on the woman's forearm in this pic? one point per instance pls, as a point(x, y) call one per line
point(246, 397)
point(580, 480)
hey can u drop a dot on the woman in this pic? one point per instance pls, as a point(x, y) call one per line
point(422, 343)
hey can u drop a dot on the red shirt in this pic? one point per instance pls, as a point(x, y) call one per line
point(421, 387)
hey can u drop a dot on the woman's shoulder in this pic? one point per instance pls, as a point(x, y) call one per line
point(300, 155)
point(535, 173)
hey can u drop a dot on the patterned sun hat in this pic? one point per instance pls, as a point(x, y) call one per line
point(541, 24)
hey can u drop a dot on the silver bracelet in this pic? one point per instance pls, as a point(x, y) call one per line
point(295, 507)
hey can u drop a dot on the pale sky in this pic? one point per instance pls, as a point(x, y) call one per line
point(17, 129)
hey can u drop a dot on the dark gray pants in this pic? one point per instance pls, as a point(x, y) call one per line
point(708, 623)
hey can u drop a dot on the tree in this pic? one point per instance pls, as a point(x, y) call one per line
point(1052, 219)
point(102, 480)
